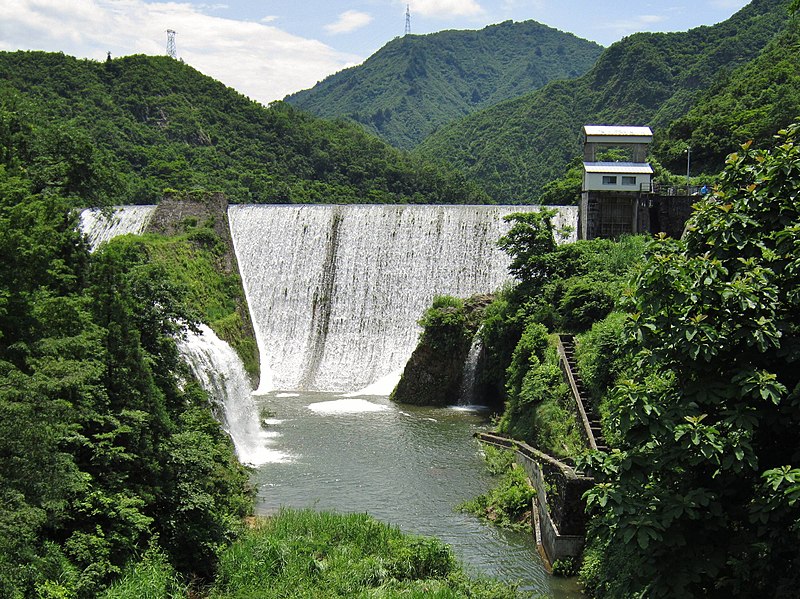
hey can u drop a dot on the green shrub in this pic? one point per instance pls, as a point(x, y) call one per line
point(528, 353)
point(584, 303)
point(508, 505)
point(444, 323)
point(565, 567)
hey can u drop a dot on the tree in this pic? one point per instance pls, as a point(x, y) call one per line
point(700, 499)
point(528, 242)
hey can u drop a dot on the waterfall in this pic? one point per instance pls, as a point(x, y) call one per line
point(221, 373)
point(100, 226)
point(335, 292)
point(469, 377)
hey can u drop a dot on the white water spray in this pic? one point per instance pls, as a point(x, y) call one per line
point(469, 376)
point(335, 292)
point(221, 373)
point(101, 226)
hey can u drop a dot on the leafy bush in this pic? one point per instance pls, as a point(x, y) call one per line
point(444, 324)
point(600, 355)
point(508, 504)
point(584, 303)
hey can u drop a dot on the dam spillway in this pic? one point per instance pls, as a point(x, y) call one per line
point(335, 292)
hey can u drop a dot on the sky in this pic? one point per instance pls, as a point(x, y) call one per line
point(270, 48)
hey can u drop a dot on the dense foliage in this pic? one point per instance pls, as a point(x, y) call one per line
point(104, 452)
point(154, 123)
point(749, 103)
point(700, 499)
point(517, 146)
point(560, 288)
point(416, 83)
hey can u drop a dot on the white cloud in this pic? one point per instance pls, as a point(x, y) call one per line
point(259, 60)
point(446, 8)
point(637, 23)
point(349, 21)
point(729, 4)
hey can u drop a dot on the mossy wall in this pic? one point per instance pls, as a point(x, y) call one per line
point(190, 236)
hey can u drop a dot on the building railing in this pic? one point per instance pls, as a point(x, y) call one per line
point(671, 190)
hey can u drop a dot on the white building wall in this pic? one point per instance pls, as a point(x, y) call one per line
point(614, 181)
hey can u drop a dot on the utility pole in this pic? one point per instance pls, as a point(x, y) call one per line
point(408, 19)
point(688, 166)
point(172, 50)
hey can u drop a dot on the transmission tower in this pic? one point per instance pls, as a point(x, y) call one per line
point(408, 19)
point(172, 50)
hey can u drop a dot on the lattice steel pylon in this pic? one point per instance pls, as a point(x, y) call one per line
point(408, 19)
point(172, 49)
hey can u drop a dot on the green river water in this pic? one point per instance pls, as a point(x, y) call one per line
point(403, 465)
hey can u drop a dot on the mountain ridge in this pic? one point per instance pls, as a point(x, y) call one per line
point(151, 123)
point(515, 147)
point(416, 83)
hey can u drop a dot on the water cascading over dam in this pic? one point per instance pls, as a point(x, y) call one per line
point(335, 292)
point(101, 226)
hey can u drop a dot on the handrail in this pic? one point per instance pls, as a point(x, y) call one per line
point(565, 367)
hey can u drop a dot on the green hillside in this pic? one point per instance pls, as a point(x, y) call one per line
point(750, 103)
point(146, 123)
point(645, 79)
point(417, 83)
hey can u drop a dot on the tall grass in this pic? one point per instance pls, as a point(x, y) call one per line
point(321, 554)
point(150, 578)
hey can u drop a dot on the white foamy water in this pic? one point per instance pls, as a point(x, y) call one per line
point(335, 292)
point(382, 387)
point(221, 373)
point(102, 226)
point(469, 376)
point(347, 406)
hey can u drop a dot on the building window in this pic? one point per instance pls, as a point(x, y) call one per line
point(628, 180)
point(609, 180)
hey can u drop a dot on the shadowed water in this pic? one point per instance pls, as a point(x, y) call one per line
point(406, 466)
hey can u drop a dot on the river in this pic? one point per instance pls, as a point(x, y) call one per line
point(404, 465)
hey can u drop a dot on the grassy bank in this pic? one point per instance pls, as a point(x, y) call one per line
point(321, 554)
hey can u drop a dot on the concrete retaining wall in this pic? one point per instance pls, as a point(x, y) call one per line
point(560, 516)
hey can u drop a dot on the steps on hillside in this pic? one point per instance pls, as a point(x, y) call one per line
point(579, 393)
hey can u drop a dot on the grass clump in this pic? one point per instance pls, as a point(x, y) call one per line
point(150, 578)
point(507, 505)
point(321, 554)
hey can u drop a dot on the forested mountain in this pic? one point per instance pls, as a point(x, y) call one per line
point(146, 123)
point(417, 83)
point(645, 79)
point(752, 102)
